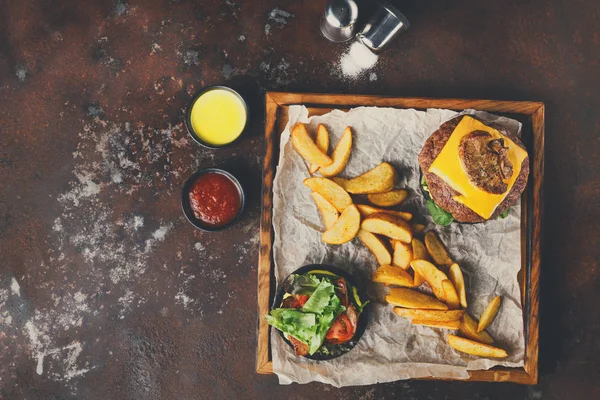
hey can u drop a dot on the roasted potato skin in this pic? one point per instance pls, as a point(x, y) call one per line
point(402, 254)
point(377, 247)
point(366, 210)
point(340, 155)
point(322, 142)
point(388, 225)
point(432, 275)
point(488, 315)
point(307, 148)
point(408, 298)
point(388, 199)
point(468, 327)
point(475, 348)
point(430, 315)
point(331, 191)
point(456, 276)
point(345, 228)
point(437, 250)
point(390, 275)
point(380, 179)
point(329, 214)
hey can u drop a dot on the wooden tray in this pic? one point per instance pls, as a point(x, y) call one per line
point(531, 114)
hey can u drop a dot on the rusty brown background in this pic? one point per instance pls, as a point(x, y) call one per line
point(106, 292)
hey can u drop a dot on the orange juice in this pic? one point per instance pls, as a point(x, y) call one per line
point(218, 117)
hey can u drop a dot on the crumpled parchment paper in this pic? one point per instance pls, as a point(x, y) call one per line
point(391, 348)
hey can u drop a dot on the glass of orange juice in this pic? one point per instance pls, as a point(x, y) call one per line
point(216, 117)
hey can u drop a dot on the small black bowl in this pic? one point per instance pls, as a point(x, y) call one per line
point(187, 209)
point(337, 349)
point(188, 117)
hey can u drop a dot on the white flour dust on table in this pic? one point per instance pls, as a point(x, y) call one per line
point(104, 241)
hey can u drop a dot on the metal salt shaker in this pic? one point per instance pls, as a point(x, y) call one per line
point(385, 23)
point(338, 23)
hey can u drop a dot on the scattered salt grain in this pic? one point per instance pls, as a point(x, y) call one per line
point(357, 60)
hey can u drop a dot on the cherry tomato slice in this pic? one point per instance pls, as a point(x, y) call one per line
point(341, 331)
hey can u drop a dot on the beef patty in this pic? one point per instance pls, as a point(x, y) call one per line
point(484, 161)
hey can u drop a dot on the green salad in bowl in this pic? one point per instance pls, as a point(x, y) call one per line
point(319, 311)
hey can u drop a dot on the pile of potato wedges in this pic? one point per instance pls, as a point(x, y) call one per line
point(343, 219)
point(446, 308)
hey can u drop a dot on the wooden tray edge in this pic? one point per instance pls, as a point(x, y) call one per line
point(518, 107)
point(266, 234)
point(513, 375)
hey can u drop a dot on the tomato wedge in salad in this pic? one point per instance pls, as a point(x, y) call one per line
point(342, 330)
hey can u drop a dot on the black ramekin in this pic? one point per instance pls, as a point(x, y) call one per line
point(188, 117)
point(187, 209)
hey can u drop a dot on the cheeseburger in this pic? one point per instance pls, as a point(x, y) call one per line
point(472, 171)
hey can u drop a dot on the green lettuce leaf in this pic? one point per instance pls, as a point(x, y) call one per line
point(320, 297)
point(299, 324)
point(325, 320)
point(439, 215)
point(304, 284)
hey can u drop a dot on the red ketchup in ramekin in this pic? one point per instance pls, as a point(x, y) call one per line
point(215, 199)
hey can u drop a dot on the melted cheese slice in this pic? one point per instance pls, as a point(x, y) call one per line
point(448, 167)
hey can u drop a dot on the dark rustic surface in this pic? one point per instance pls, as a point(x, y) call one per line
point(106, 292)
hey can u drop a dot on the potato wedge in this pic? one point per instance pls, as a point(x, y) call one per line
point(340, 181)
point(456, 277)
point(305, 146)
point(388, 199)
point(340, 155)
point(475, 348)
point(436, 249)
point(345, 228)
point(452, 325)
point(417, 228)
point(450, 295)
point(377, 247)
point(322, 142)
point(391, 275)
point(468, 327)
point(429, 315)
point(489, 314)
point(331, 191)
point(366, 210)
point(388, 225)
point(419, 250)
point(432, 275)
point(329, 214)
point(380, 179)
point(408, 298)
point(402, 254)
point(419, 253)
point(418, 278)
